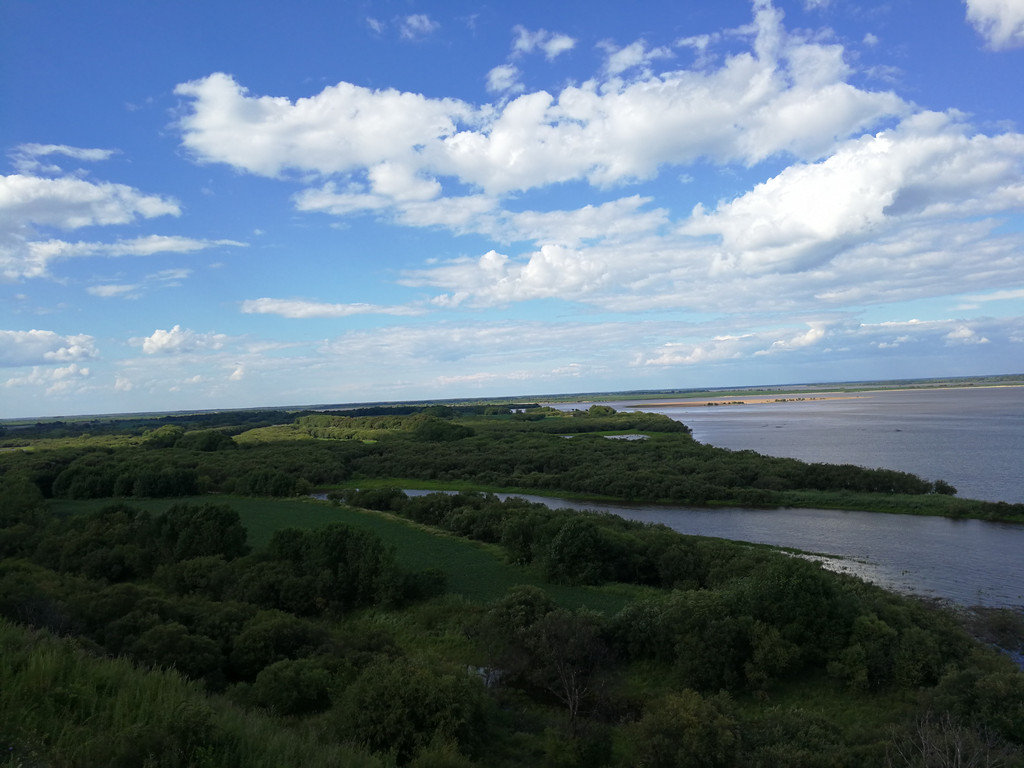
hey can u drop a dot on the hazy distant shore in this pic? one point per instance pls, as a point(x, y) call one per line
point(794, 397)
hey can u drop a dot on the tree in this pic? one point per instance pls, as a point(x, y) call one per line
point(294, 687)
point(686, 730)
point(402, 707)
point(567, 657)
point(578, 554)
point(171, 645)
point(186, 531)
point(272, 636)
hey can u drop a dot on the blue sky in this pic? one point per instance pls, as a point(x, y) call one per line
point(223, 204)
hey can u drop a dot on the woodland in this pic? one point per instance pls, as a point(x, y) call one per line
point(172, 595)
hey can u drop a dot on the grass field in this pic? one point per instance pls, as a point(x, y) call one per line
point(476, 571)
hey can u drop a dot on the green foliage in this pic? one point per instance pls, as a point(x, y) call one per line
point(62, 707)
point(272, 636)
point(402, 708)
point(317, 630)
point(187, 531)
point(206, 440)
point(578, 553)
point(686, 730)
point(294, 687)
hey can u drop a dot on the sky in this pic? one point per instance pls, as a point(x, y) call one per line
point(228, 205)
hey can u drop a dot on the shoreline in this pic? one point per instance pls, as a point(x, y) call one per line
point(760, 400)
point(797, 397)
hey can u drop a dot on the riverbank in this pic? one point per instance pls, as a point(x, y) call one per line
point(929, 505)
point(797, 396)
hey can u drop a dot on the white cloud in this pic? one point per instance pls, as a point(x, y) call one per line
point(112, 290)
point(964, 334)
point(342, 129)
point(551, 44)
point(417, 25)
point(53, 381)
point(884, 203)
point(504, 78)
point(926, 168)
point(895, 217)
point(25, 156)
point(177, 341)
point(71, 203)
point(296, 308)
point(817, 341)
point(32, 259)
point(167, 278)
point(787, 95)
point(634, 55)
point(31, 205)
point(1000, 22)
point(1006, 295)
point(21, 348)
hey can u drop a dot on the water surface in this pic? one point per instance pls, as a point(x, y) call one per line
point(971, 562)
point(972, 438)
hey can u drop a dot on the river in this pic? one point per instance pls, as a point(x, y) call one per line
point(970, 562)
point(972, 438)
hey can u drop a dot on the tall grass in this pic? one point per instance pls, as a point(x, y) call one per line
point(63, 708)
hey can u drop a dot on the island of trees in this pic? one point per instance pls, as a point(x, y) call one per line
point(171, 595)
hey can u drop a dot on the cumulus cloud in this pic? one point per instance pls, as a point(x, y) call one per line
point(785, 95)
point(928, 167)
point(35, 347)
point(296, 308)
point(1000, 22)
point(178, 341)
point(964, 334)
point(864, 198)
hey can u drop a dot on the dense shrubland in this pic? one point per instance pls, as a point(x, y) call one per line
point(539, 449)
point(138, 634)
point(323, 638)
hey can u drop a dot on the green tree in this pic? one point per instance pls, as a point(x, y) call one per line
point(294, 687)
point(400, 707)
point(567, 657)
point(186, 531)
point(686, 730)
point(272, 636)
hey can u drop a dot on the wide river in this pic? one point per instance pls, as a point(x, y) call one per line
point(972, 438)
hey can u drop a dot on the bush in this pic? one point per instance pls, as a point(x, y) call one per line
point(293, 687)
